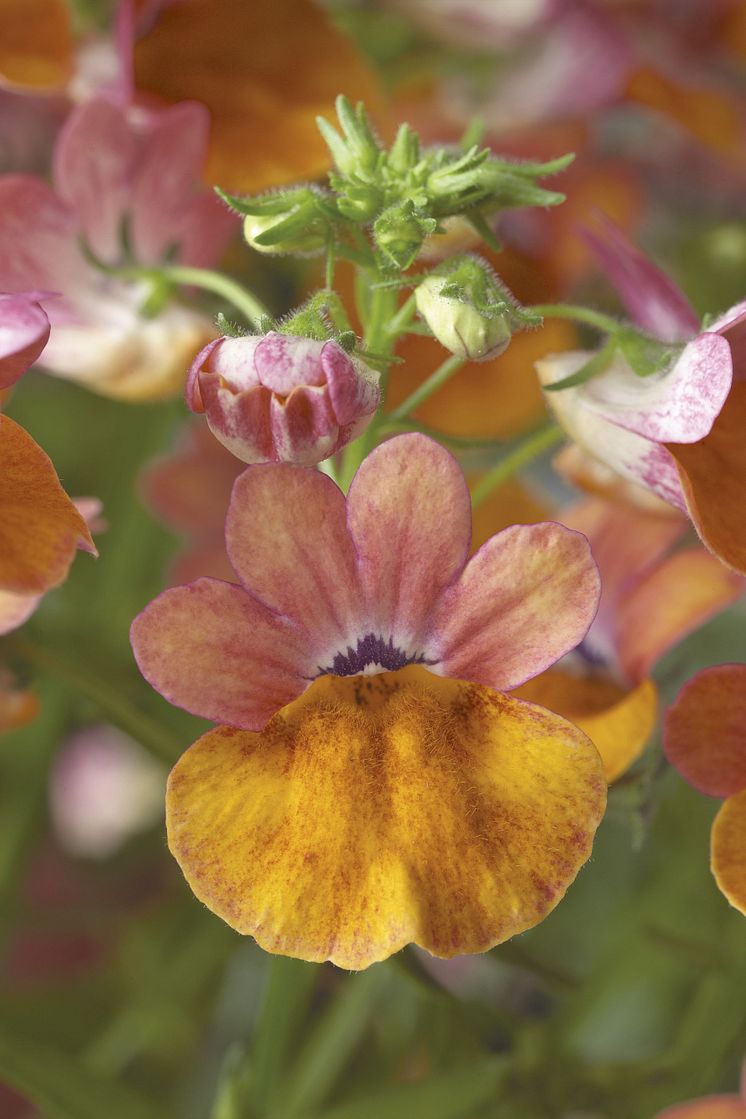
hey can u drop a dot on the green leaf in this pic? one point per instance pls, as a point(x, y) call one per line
point(62, 1087)
point(451, 1095)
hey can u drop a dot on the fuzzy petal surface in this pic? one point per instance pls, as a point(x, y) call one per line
point(287, 538)
point(453, 818)
point(525, 599)
point(674, 598)
point(679, 406)
point(619, 721)
point(40, 528)
point(639, 459)
point(713, 480)
point(212, 649)
point(728, 850)
point(24, 331)
point(705, 730)
point(409, 513)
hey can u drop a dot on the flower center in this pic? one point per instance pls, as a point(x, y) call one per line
point(371, 654)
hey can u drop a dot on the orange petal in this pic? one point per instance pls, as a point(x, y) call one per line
point(17, 705)
point(36, 50)
point(728, 850)
point(595, 477)
point(379, 810)
point(674, 598)
point(264, 70)
point(713, 477)
point(707, 113)
point(709, 1107)
point(705, 730)
point(509, 504)
point(619, 721)
point(492, 399)
point(40, 528)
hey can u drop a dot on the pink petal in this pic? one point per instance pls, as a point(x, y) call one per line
point(93, 161)
point(525, 599)
point(353, 388)
point(174, 146)
point(287, 538)
point(409, 513)
point(732, 325)
point(304, 428)
point(205, 229)
point(240, 420)
point(675, 407)
point(639, 460)
point(676, 597)
point(24, 330)
point(15, 609)
point(285, 361)
point(216, 651)
point(38, 240)
point(653, 301)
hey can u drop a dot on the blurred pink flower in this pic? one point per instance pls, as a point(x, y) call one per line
point(126, 181)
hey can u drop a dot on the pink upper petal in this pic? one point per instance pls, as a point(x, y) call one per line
point(24, 330)
point(38, 240)
point(653, 301)
point(409, 513)
point(288, 541)
point(15, 609)
point(635, 457)
point(93, 161)
point(285, 361)
point(304, 427)
point(353, 388)
point(525, 599)
point(166, 179)
point(212, 649)
point(679, 406)
point(732, 325)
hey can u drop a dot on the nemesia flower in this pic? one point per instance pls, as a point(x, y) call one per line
point(651, 598)
point(115, 165)
point(705, 739)
point(676, 432)
point(282, 398)
point(40, 527)
point(370, 787)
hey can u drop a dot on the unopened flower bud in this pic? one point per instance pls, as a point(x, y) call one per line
point(458, 325)
point(282, 398)
point(309, 238)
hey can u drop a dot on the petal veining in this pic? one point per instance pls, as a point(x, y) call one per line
point(525, 599)
point(377, 811)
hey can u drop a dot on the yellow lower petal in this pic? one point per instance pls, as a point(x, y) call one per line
point(619, 721)
point(379, 810)
point(728, 850)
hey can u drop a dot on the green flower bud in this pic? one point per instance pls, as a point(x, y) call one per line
point(300, 237)
point(459, 326)
point(399, 232)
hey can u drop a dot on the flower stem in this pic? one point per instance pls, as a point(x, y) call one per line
point(577, 314)
point(110, 701)
point(244, 301)
point(442, 374)
point(526, 451)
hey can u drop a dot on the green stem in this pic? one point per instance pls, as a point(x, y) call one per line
point(577, 314)
point(442, 374)
point(526, 451)
point(399, 324)
point(109, 701)
point(244, 301)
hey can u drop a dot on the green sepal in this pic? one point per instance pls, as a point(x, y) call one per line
point(645, 355)
point(399, 232)
point(595, 365)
